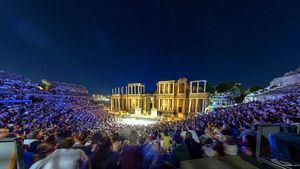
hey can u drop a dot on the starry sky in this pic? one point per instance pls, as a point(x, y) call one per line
point(102, 44)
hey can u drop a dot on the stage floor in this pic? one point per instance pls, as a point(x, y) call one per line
point(134, 119)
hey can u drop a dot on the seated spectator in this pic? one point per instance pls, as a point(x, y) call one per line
point(105, 157)
point(230, 148)
point(180, 152)
point(131, 157)
point(279, 146)
point(43, 150)
point(193, 147)
point(166, 141)
point(248, 145)
point(65, 157)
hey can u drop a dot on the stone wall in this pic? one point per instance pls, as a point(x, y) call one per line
point(286, 80)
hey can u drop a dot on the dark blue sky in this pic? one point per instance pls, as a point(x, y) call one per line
point(102, 44)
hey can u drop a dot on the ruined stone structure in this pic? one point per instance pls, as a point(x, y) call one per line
point(289, 83)
point(171, 97)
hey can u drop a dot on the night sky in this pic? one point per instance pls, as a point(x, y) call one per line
point(106, 43)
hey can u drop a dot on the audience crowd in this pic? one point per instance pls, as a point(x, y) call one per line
point(72, 132)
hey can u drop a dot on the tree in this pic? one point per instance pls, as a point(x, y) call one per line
point(210, 88)
point(240, 99)
point(252, 89)
point(235, 91)
point(224, 87)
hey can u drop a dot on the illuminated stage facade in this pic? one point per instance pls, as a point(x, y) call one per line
point(172, 98)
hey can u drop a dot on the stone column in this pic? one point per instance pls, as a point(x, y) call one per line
point(177, 105)
point(190, 104)
point(172, 104)
point(151, 101)
point(203, 105)
point(158, 88)
point(173, 88)
point(144, 90)
point(124, 103)
point(158, 104)
point(168, 88)
point(129, 103)
point(112, 91)
point(183, 105)
point(126, 90)
point(145, 104)
point(111, 104)
point(196, 106)
point(142, 103)
point(197, 87)
point(204, 88)
point(191, 87)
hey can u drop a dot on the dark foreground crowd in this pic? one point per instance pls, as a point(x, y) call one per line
point(74, 132)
